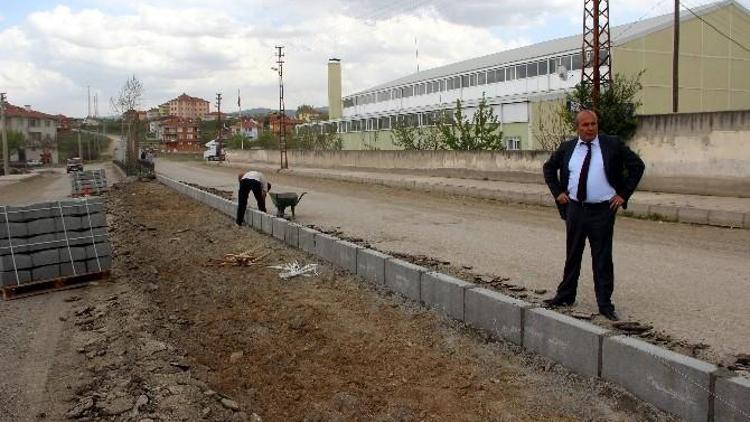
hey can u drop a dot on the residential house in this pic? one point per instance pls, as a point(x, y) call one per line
point(246, 126)
point(188, 107)
point(39, 131)
point(180, 135)
point(213, 116)
point(274, 123)
point(152, 114)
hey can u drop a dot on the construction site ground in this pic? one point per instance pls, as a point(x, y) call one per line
point(176, 335)
point(687, 282)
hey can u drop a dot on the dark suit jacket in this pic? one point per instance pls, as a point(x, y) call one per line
point(622, 166)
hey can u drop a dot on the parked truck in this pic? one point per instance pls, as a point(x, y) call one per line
point(213, 151)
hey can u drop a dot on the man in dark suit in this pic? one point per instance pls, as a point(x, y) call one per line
point(590, 177)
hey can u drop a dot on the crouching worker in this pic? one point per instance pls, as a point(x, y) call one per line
point(253, 181)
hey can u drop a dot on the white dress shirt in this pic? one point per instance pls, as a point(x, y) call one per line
point(256, 175)
point(598, 188)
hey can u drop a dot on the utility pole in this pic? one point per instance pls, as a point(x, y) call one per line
point(220, 135)
point(676, 58)
point(596, 66)
point(282, 131)
point(80, 147)
point(6, 158)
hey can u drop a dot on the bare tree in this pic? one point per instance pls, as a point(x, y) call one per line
point(126, 104)
point(550, 126)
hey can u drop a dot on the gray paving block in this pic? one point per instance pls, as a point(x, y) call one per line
point(69, 223)
point(100, 249)
point(404, 278)
point(104, 263)
point(44, 258)
point(571, 342)
point(76, 253)
point(732, 399)
point(15, 262)
point(692, 215)
point(291, 236)
point(325, 245)
point(444, 293)
point(279, 228)
point(94, 220)
point(66, 269)
point(306, 238)
point(499, 315)
point(45, 273)
point(725, 218)
point(258, 220)
point(14, 230)
point(668, 380)
point(371, 265)
point(345, 255)
point(13, 278)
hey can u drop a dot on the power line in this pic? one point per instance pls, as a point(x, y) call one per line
point(718, 21)
point(716, 29)
point(632, 24)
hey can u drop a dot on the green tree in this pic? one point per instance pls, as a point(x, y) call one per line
point(480, 133)
point(16, 142)
point(409, 137)
point(616, 108)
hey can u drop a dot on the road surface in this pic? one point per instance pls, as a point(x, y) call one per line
point(691, 282)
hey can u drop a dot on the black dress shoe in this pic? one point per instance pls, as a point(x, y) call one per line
point(557, 301)
point(610, 314)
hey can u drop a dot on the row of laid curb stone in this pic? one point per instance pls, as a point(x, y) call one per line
point(687, 387)
point(681, 214)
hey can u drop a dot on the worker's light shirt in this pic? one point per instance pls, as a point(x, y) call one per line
point(256, 175)
point(598, 188)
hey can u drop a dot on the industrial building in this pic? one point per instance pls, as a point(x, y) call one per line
point(522, 83)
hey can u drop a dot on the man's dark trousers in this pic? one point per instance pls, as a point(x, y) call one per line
point(596, 223)
point(247, 185)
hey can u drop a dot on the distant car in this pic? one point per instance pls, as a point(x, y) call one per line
point(33, 163)
point(74, 164)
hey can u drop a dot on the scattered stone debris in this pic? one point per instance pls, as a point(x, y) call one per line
point(582, 315)
point(540, 291)
point(632, 326)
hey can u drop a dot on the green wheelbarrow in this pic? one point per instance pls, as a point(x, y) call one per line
point(285, 199)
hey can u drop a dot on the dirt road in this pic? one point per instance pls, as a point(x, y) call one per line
point(690, 282)
point(31, 330)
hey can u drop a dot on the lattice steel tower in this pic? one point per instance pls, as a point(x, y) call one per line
point(595, 52)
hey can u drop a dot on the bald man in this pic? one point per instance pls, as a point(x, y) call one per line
point(591, 177)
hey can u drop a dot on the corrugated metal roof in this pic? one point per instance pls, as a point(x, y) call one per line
point(619, 34)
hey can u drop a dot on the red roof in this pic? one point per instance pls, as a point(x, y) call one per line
point(16, 111)
point(185, 97)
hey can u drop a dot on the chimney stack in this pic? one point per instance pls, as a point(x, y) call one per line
point(335, 105)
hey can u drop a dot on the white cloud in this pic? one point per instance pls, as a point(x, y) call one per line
point(201, 49)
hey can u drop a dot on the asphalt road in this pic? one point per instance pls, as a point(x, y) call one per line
point(692, 282)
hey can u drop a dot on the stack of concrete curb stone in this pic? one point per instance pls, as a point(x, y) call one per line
point(89, 182)
point(53, 240)
point(687, 387)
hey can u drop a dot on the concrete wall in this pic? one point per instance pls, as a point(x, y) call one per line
point(704, 153)
point(691, 153)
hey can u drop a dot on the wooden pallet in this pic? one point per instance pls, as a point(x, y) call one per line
point(51, 285)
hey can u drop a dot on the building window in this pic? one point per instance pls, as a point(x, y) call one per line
point(482, 78)
point(472, 80)
point(491, 77)
point(450, 84)
point(543, 67)
point(532, 69)
point(521, 71)
point(513, 143)
point(510, 73)
point(465, 81)
point(576, 62)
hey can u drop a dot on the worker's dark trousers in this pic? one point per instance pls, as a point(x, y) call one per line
point(247, 185)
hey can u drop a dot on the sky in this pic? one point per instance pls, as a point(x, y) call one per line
point(53, 52)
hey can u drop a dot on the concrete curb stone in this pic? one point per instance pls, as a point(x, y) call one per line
point(371, 265)
point(404, 278)
point(692, 215)
point(725, 218)
point(501, 316)
point(279, 228)
point(732, 399)
point(444, 293)
point(573, 343)
point(345, 255)
point(667, 212)
point(266, 223)
point(306, 238)
point(291, 236)
point(672, 382)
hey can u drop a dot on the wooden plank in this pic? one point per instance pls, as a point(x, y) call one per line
point(45, 286)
